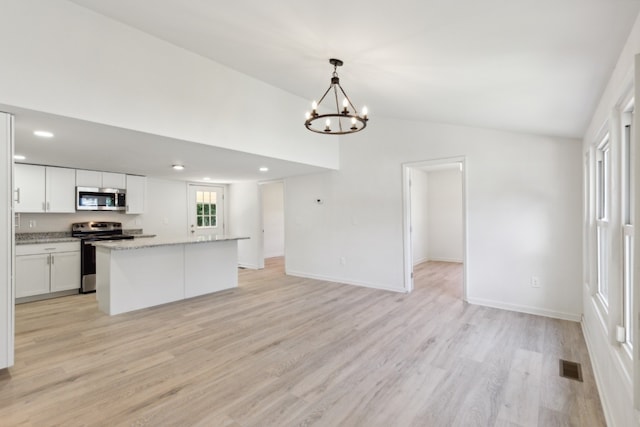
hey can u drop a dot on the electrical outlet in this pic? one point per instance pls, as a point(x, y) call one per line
point(32, 223)
point(535, 282)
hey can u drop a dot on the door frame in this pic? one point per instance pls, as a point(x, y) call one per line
point(224, 188)
point(261, 210)
point(406, 216)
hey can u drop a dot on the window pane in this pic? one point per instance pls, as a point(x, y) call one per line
point(213, 221)
point(206, 209)
point(206, 221)
point(628, 288)
point(207, 197)
point(199, 221)
point(199, 209)
point(199, 197)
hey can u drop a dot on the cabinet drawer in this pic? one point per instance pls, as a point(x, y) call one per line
point(43, 248)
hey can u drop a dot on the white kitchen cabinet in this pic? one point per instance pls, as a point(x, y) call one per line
point(86, 178)
point(30, 188)
point(65, 271)
point(136, 194)
point(114, 180)
point(43, 269)
point(44, 189)
point(60, 189)
point(32, 275)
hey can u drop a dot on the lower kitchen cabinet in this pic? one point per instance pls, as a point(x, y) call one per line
point(43, 269)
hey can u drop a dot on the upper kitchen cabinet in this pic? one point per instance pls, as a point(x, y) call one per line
point(85, 178)
point(30, 188)
point(136, 194)
point(44, 189)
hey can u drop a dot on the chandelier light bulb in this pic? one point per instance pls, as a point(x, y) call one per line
point(314, 106)
point(364, 112)
point(327, 127)
point(307, 115)
point(345, 104)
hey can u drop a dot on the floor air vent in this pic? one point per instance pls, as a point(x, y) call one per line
point(571, 370)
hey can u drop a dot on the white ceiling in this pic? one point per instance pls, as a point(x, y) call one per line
point(536, 66)
point(86, 145)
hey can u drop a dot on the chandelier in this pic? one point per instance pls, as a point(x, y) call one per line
point(342, 121)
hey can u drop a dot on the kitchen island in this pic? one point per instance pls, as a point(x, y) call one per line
point(135, 274)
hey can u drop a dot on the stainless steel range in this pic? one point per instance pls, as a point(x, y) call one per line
point(88, 232)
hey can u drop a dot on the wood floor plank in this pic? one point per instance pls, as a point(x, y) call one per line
point(287, 351)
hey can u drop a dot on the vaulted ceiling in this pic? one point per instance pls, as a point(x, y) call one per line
point(536, 66)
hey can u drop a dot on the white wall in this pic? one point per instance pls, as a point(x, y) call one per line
point(246, 221)
point(419, 216)
point(60, 58)
point(273, 219)
point(614, 370)
point(523, 213)
point(6, 242)
point(165, 213)
point(445, 216)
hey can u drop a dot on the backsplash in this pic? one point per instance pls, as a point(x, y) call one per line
point(54, 222)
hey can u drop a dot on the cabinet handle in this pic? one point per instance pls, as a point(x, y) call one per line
point(127, 208)
point(44, 207)
point(48, 207)
point(52, 259)
point(49, 260)
point(17, 195)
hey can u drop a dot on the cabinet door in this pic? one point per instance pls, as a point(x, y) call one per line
point(113, 180)
point(60, 189)
point(88, 178)
point(136, 189)
point(30, 187)
point(32, 275)
point(65, 271)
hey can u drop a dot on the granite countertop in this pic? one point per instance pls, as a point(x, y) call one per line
point(153, 242)
point(47, 237)
point(63, 236)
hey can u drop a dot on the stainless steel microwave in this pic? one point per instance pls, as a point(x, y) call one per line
point(100, 199)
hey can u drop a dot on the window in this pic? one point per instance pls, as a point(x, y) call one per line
point(603, 166)
point(206, 202)
point(627, 227)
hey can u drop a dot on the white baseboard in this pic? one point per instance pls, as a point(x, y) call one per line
point(249, 266)
point(343, 281)
point(273, 255)
point(420, 261)
point(458, 260)
point(575, 317)
point(597, 373)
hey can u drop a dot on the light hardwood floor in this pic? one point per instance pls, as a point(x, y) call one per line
point(281, 351)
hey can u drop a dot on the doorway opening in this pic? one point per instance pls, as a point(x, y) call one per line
point(435, 219)
point(273, 241)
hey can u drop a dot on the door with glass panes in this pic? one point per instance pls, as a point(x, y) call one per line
point(206, 210)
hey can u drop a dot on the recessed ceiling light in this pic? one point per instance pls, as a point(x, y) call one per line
point(43, 133)
point(178, 167)
point(206, 178)
point(19, 157)
point(264, 169)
